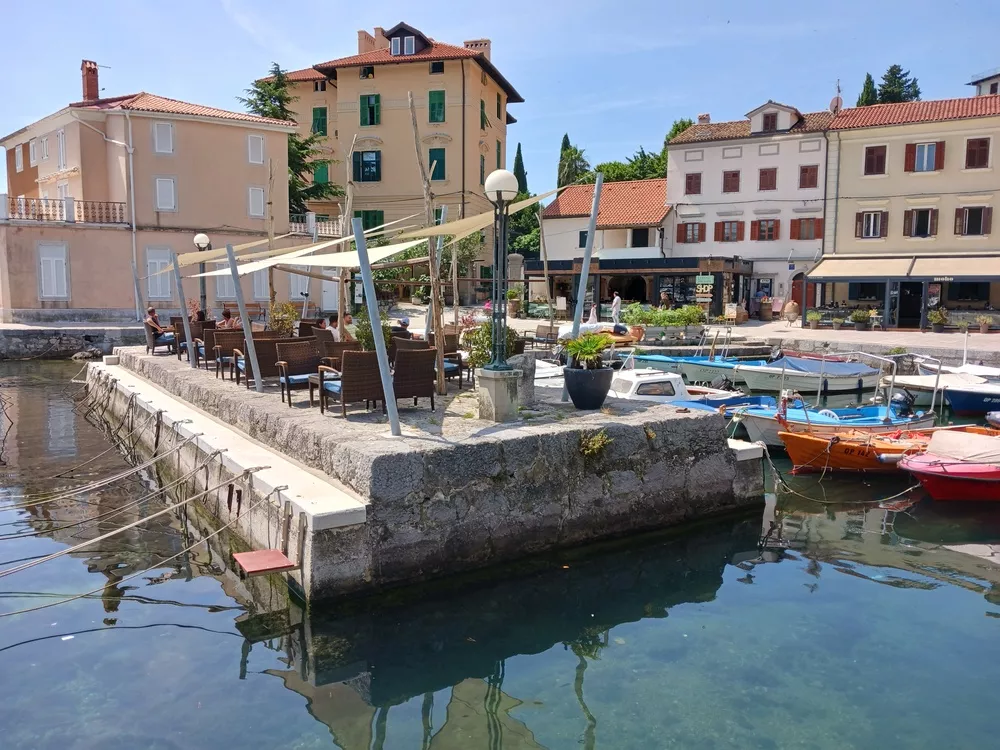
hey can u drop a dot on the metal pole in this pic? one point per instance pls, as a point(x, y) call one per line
point(376, 322)
point(192, 358)
point(923, 305)
point(203, 286)
point(498, 360)
point(251, 351)
point(585, 271)
point(138, 292)
point(888, 296)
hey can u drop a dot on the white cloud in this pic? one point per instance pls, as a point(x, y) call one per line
point(262, 31)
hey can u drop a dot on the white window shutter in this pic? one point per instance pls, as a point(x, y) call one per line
point(52, 271)
point(61, 146)
point(255, 146)
point(257, 202)
point(160, 284)
point(163, 137)
point(18, 158)
point(260, 289)
point(224, 287)
point(166, 198)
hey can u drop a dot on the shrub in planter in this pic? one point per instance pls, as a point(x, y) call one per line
point(813, 317)
point(588, 380)
point(837, 323)
point(282, 317)
point(938, 319)
point(479, 343)
point(861, 319)
point(984, 321)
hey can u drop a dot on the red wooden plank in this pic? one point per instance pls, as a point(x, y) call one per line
point(263, 561)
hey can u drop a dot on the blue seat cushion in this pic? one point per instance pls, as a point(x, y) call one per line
point(201, 351)
point(295, 379)
point(331, 385)
point(241, 363)
point(449, 367)
point(183, 345)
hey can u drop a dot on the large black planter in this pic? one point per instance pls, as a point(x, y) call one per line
point(588, 388)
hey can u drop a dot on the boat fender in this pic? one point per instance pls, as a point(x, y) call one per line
point(830, 414)
point(889, 458)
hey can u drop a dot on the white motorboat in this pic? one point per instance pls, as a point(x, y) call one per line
point(931, 366)
point(922, 387)
point(809, 376)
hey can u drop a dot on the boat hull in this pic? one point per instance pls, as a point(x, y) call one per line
point(770, 380)
point(974, 401)
point(767, 429)
point(951, 480)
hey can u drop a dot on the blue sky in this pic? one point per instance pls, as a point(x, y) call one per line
point(614, 75)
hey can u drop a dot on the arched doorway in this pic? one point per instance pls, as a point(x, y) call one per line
point(798, 281)
point(631, 288)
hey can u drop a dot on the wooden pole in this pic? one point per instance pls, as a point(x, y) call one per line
point(454, 277)
point(437, 319)
point(345, 224)
point(545, 270)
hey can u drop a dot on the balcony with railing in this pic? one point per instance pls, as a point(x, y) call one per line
point(325, 226)
point(62, 210)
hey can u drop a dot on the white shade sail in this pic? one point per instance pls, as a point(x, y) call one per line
point(329, 260)
point(470, 224)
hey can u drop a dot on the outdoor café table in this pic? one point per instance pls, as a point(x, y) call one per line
point(314, 383)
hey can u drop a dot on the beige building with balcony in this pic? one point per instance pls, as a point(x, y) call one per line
point(105, 182)
point(461, 102)
point(911, 190)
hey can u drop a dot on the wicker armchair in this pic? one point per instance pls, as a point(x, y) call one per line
point(197, 331)
point(454, 366)
point(359, 381)
point(226, 342)
point(154, 339)
point(297, 360)
point(414, 374)
point(306, 325)
point(267, 360)
point(204, 348)
point(330, 350)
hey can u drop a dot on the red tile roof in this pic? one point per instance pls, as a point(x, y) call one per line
point(877, 115)
point(143, 102)
point(725, 131)
point(297, 76)
point(432, 53)
point(623, 204)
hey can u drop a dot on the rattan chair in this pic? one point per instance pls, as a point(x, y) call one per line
point(297, 360)
point(413, 376)
point(197, 331)
point(331, 350)
point(306, 325)
point(453, 364)
point(226, 342)
point(267, 360)
point(359, 380)
point(154, 339)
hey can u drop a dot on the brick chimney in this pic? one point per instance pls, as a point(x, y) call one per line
point(480, 45)
point(704, 119)
point(366, 42)
point(380, 40)
point(91, 87)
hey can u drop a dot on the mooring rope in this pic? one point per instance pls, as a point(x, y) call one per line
point(160, 564)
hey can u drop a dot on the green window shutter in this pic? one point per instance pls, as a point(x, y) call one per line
point(378, 166)
point(378, 218)
point(378, 109)
point(499, 153)
point(482, 169)
point(482, 114)
point(435, 156)
point(319, 120)
point(499, 107)
point(363, 106)
point(357, 166)
point(435, 106)
point(321, 174)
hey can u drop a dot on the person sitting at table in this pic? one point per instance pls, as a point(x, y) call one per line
point(228, 322)
point(402, 329)
point(153, 321)
point(199, 317)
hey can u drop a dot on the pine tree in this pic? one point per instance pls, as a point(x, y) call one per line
point(519, 173)
point(898, 86)
point(868, 93)
point(270, 97)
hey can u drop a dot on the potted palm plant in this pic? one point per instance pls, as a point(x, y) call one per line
point(813, 317)
point(938, 318)
point(588, 379)
point(861, 319)
point(984, 321)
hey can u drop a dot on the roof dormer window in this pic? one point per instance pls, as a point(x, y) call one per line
point(770, 123)
point(395, 45)
point(409, 45)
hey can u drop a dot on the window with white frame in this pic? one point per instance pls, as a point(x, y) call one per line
point(157, 278)
point(163, 137)
point(255, 198)
point(166, 194)
point(299, 289)
point(926, 157)
point(409, 44)
point(53, 273)
point(18, 158)
point(61, 149)
point(255, 149)
point(45, 148)
point(33, 152)
point(260, 289)
point(394, 45)
point(224, 287)
point(62, 189)
point(871, 224)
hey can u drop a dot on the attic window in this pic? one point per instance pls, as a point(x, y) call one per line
point(770, 122)
point(395, 45)
point(437, 67)
point(367, 71)
point(319, 85)
point(409, 45)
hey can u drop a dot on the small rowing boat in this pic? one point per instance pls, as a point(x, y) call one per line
point(958, 466)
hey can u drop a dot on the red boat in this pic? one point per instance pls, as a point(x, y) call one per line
point(958, 466)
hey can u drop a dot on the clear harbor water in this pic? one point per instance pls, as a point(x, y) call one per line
point(827, 623)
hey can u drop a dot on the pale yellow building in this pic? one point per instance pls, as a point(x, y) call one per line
point(105, 182)
point(911, 189)
point(461, 102)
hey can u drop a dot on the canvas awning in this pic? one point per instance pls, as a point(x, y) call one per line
point(908, 267)
point(858, 269)
point(947, 268)
point(328, 260)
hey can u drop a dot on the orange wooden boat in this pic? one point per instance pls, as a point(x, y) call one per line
point(860, 451)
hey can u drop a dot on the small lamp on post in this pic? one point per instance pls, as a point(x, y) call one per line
point(500, 189)
point(202, 242)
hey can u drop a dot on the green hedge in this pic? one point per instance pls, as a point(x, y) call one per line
point(638, 315)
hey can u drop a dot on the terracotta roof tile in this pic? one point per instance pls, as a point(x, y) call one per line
point(306, 74)
point(623, 204)
point(143, 102)
point(877, 115)
point(725, 131)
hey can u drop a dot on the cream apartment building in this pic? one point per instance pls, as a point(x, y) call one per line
point(461, 101)
point(105, 182)
point(911, 190)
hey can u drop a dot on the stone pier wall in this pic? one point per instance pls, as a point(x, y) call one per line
point(437, 506)
point(62, 342)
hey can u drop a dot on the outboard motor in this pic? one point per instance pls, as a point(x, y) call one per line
point(723, 383)
point(902, 403)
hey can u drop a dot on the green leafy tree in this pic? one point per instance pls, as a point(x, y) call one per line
point(676, 129)
point(573, 166)
point(869, 95)
point(270, 97)
point(522, 224)
point(565, 143)
point(642, 165)
point(519, 173)
point(898, 86)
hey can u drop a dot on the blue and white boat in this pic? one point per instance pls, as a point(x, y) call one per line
point(697, 369)
point(804, 375)
point(974, 399)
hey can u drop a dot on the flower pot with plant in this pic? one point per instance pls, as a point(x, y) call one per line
point(861, 319)
point(938, 319)
point(635, 316)
point(984, 321)
point(813, 317)
point(837, 323)
point(514, 301)
point(588, 379)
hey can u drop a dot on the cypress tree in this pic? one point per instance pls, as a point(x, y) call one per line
point(519, 173)
point(868, 93)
